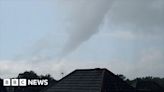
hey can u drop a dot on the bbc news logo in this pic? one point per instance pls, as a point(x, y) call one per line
point(25, 82)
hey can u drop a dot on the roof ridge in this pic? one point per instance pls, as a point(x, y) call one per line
point(90, 69)
point(58, 81)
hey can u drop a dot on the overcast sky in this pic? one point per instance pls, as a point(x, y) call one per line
point(54, 36)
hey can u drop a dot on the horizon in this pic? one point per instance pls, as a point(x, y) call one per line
point(65, 75)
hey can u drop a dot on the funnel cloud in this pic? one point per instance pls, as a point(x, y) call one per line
point(83, 22)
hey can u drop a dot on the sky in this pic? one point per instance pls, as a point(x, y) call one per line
point(55, 36)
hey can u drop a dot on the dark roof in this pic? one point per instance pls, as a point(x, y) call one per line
point(91, 80)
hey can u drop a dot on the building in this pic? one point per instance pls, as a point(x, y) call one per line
point(90, 80)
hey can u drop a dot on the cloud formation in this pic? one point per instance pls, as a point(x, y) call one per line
point(84, 19)
point(129, 19)
point(143, 18)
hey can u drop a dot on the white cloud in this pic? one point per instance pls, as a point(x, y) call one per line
point(150, 63)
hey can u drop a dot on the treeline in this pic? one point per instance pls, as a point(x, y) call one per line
point(157, 80)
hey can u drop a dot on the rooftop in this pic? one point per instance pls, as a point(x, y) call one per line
point(90, 80)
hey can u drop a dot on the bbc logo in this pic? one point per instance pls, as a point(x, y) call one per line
point(14, 82)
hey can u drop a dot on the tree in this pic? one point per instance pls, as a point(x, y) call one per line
point(33, 75)
point(122, 76)
point(28, 75)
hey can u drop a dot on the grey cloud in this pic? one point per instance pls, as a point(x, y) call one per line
point(81, 19)
point(146, 16)
point(85, 18)
point(142, 17)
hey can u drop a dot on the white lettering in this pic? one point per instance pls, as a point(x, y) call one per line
point(22, 82)
point(6, 82)
point(38, 82)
